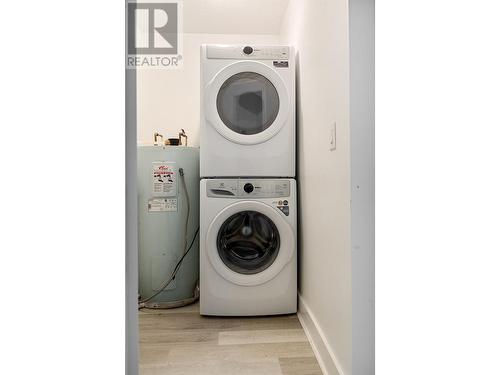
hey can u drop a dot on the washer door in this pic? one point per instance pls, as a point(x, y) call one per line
point(249, 243)
point(247, 102)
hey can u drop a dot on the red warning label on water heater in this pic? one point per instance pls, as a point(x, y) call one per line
point(164, 179)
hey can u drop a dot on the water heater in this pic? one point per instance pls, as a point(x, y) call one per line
point(168, 210)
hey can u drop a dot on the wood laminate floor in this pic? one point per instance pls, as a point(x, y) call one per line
point(181, 342)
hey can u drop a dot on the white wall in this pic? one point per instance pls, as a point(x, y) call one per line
point(168, 100)
point(319, 31)
point(335, 84)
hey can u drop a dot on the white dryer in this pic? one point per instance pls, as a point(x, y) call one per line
point(247, 111)
point(248, 255)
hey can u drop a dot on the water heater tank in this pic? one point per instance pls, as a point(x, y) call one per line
point(163, 205)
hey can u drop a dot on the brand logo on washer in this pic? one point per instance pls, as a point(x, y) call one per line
point(153, 34)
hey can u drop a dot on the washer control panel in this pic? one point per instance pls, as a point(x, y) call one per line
point(243, 188)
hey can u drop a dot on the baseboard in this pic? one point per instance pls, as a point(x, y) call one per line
point(324, 353)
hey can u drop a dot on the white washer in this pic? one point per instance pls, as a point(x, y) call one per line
point(248, 255)
point(247, 111)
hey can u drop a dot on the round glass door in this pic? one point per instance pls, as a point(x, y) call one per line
point(248, 242)
point(248, 103)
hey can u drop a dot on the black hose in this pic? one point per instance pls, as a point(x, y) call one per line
point(174, 272)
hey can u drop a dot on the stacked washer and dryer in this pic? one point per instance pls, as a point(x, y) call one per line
point(248, 203)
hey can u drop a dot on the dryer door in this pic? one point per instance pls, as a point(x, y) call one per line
point(249, 243)
point(247, 102)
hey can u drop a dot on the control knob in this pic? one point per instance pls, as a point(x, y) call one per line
point(248, 187)
point(247, 50)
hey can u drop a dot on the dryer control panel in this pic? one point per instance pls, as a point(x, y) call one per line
point(248, 52)
point(248, 188)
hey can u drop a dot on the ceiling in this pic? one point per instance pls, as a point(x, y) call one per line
point(233, 16)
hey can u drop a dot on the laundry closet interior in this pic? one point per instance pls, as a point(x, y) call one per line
point(254, 166)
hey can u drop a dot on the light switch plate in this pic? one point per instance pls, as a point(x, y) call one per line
point(333, 136)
